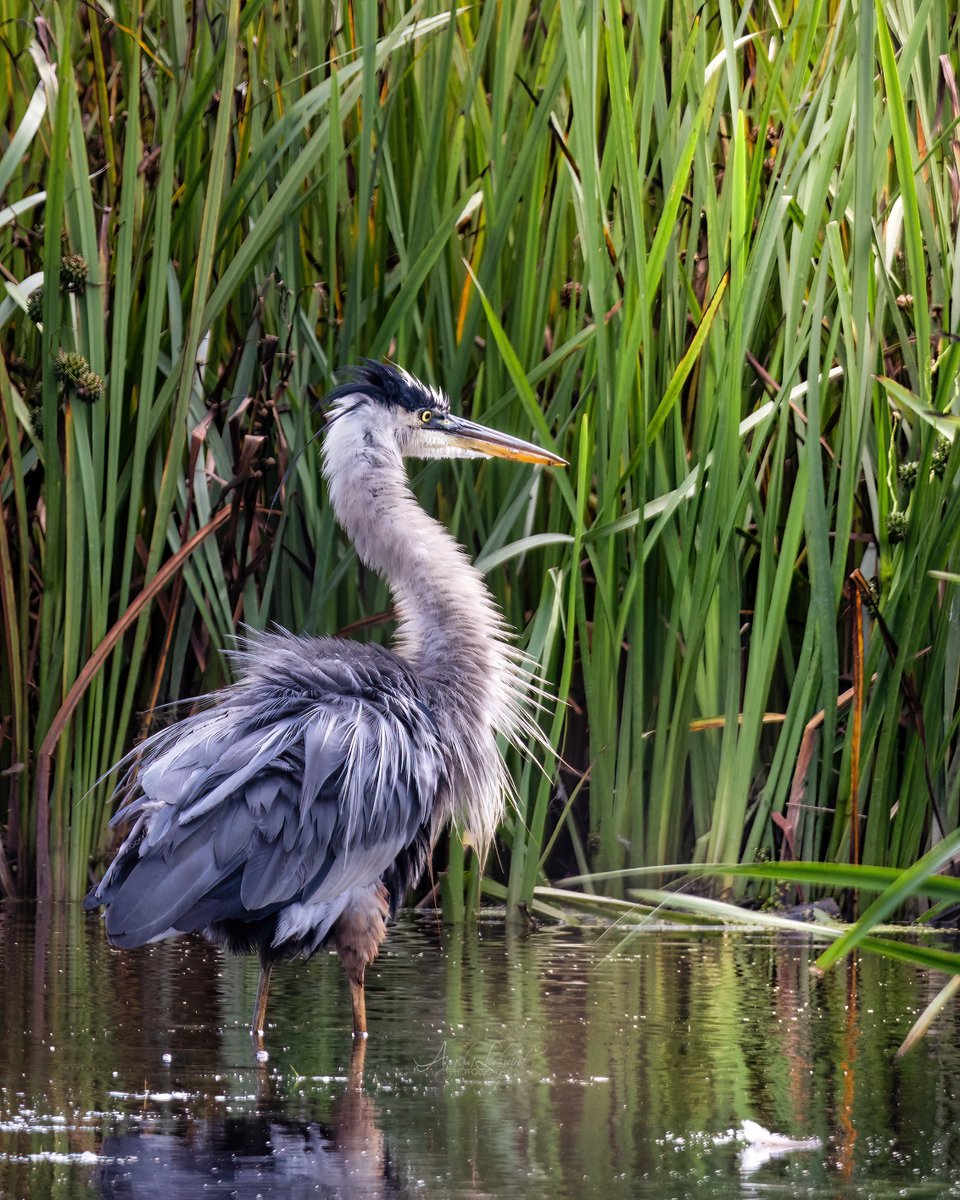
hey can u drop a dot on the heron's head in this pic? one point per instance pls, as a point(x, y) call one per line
point(385, 406)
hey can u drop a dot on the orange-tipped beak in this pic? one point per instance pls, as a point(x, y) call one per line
point(478, 439)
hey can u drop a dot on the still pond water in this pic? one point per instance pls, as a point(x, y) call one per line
point(556, 1063)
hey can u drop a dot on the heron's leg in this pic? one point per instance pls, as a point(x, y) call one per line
point(260, 1005)
point(359, 1053)
point(357, 936)
point(359, 1004)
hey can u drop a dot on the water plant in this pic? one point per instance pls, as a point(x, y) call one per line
point(709, 249)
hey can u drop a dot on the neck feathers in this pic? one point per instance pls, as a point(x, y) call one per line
point(449, 628)
point(448, 622)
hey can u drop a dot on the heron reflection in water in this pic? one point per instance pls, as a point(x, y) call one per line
point(267, 1152)
point(296, 809)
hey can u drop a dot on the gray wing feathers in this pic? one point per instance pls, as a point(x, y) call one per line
point(305, 779)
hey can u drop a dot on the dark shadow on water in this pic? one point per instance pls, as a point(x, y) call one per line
point(258, 1155)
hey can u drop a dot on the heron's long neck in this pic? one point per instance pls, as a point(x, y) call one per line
point(449, 627)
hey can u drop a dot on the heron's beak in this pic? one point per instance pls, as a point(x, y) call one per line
point(478, 439)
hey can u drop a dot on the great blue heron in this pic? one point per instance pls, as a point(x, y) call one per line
point(296, 809)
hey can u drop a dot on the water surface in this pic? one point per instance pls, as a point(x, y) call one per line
point(542, 1064)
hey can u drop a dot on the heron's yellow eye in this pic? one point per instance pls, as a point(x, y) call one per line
point(426, 416)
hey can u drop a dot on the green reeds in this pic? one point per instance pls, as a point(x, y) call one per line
point(708, 253)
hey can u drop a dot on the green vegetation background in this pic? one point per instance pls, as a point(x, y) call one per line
point(707, 251)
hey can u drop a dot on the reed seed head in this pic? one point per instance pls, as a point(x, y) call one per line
point(73, 273)
point(897, 526)
point(35, 306)
point(74, 374)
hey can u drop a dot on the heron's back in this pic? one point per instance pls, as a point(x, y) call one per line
point(312, 782)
